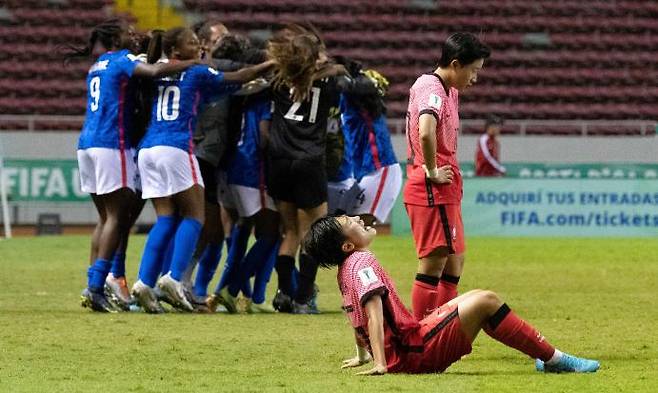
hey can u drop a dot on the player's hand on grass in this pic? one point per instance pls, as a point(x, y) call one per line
point(378, 369)
point(356, 361)
point(441, 175)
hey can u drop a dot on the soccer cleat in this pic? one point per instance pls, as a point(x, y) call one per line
point(304, 308)
point(146, 298)
point(96, 301)
point(282, 302)
point(199, 303)
point(175, 293)
point(314, 299)
point(568, 364)
point(227, 300)
point(116, 290)
point(256, 308)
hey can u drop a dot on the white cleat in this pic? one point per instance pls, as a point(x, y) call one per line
point(175, 292)
point(146, 298)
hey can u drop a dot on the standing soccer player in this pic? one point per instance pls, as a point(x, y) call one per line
point(433, 193)
point(487, 154)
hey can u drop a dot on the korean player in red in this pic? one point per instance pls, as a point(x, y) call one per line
point(387, 334)
point(433, 192)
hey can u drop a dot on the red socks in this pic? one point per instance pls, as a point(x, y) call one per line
point(447, 289)
point(424, 295)
point(509, 329)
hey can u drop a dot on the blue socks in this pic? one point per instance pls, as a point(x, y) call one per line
point(257, 255)
point(118, 265)
point(155, 248)
point(263, 274)
point(185, 241)
point(239, 240)
point(97, 274)
point(206, 268)
point(168, 255)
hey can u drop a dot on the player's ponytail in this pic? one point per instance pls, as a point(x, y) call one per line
point(154, 51)
point(296, 60)
point(107, 34)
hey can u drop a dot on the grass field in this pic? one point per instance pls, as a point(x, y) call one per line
point(591, 297)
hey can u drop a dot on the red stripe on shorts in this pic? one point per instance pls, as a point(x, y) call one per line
point(122, 133)
point(379, 191)
point(190, 144)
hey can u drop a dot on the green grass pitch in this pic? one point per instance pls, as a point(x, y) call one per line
point(591, 297)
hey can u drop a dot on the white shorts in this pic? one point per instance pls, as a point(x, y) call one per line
point(376, 193)
point(166, 171)
point(224, 194)
point(250, 200)
point(336, 192)
point(104, 170)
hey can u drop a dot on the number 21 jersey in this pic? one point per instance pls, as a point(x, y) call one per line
point(299, 129)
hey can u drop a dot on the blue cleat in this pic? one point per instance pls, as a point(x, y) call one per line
point(95, 301)
point(568, 364)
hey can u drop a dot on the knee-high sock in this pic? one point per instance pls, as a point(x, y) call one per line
point(424, 295)
point(239, 241)
point(118, 265)
point(97, 274)
point(285, 264)
point(308, 269)
point(509, 329)
point(258, 253)
point(187, 235)
point(447, 289)
point(168, 254)
point(263, 274)
point(206, 268)
point(155, 248)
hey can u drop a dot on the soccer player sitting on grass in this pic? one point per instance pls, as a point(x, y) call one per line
point(392, 338)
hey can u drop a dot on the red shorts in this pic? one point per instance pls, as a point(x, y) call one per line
point(437, 226)
point(444, 342)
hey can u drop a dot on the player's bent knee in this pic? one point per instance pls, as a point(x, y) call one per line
point(489, 299)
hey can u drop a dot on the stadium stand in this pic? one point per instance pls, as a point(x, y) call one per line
point(552, 59)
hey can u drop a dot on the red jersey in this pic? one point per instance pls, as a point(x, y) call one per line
point(487, 157)
point(360, 277)
point(429, 95)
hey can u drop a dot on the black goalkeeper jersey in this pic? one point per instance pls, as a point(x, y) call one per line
point(299, 129)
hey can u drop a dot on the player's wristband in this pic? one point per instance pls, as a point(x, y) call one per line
point(362, 354)
point(431, 173)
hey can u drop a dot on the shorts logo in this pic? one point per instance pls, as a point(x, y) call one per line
point(454, 233)
point(434, 101)
point(367, 276)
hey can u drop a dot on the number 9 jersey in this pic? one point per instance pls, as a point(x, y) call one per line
point(108, 120)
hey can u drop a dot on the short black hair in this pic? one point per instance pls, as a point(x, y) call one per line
point(463, 47)
point(324, 242)
point(493, 120)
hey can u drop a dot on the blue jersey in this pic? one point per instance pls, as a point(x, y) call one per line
point(372, 147)
point(110, 103)
point(176, 100)
point(246, 166)
point(346, 169)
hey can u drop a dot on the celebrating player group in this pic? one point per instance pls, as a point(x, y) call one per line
point(228, 137)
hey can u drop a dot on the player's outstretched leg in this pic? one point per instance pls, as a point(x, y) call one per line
point(485, 310)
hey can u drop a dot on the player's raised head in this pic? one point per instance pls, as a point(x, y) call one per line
point(332, 239)
point(464, 54)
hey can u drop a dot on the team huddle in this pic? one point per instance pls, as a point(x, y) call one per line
point(229, 137)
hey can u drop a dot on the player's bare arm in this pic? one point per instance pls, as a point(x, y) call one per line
point(249, 73)
point(427, 133)
point(163, 69)
point(375, 312)
point(362, 355)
